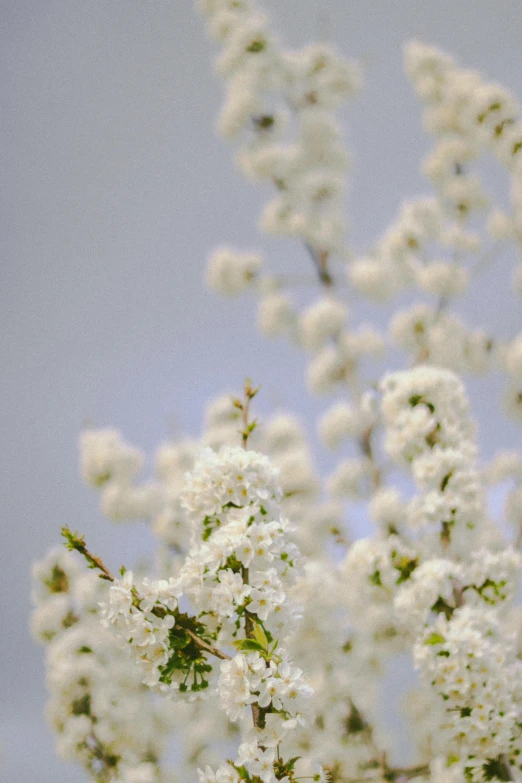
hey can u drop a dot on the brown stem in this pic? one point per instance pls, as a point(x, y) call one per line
point(365, 441)
point(408, 773)
point(207, 647)
point(366, 447)
point(74, 541)
point(258, 714)
point(245, 433)
point(244, 407)
point(78, 542)
point(320, 259)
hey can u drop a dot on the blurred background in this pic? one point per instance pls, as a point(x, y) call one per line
point(114, 189)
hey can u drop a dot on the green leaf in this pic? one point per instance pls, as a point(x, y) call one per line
point(435, 638)
point(445, 480)
point(257, 45)
point(179, 640)
point(249, 645)
point(375, 578)
point(260, 635)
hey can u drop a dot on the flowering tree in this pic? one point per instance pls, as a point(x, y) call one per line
point(262, 638)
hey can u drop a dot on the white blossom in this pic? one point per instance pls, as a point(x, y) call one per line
point(230, 273)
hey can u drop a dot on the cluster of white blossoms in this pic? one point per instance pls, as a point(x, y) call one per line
point(230, 273)
point(105, 465)
point(110, 464)
point(282, 103)
point(471, 662)
point(242, 562)
point(488, 579)
point(285, 657)
point(372, 573)
point(249, 679)
point(142, 614)
point(104, 718)
point(429, 429)
point(453, 602)
point(236, 577)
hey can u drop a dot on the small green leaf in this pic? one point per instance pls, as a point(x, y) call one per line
point(435, 638)
point(375, 578)
point(445, 480)
point(179, 640)
point(255, 46)
point(260, 635)
point(249, 645)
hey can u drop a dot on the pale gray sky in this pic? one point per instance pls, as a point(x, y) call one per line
point(114, 189)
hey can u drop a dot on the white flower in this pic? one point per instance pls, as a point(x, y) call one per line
point(105, 456)
point(443, 279)
point(263, 765)
point(373, 278)
point(276, 314)
point(326, 370)
point(348, 479)
point(321, 322)
point(338, 423)
point(230, 272)
point(232, 475)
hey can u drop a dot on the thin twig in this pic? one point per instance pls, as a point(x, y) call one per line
point(320, 259)
point(75, 542)
point(244, 407)
point(207, 647)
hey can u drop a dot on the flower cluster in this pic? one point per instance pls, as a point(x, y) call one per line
point(429, 428)
point(372, 572)
point(440, 586)
point(269, 91)
point(104, 718)
point(472, 664)
point(274, 683)
point(230, 273)
point(143, 614)
point(242, 562)
point(112, 465)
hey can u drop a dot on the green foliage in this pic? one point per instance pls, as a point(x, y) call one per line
point(445, 480)
point(58, 582)
point(248, 645)
point(210, 523)
point(186, 656)
point(256, 46)
point(417, 399)
point(435, 638)
point(405, 566)
point(375, 578)
point(262, 642)
point(75, 542)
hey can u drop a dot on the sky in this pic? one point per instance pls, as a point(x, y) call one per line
point(115, 188)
